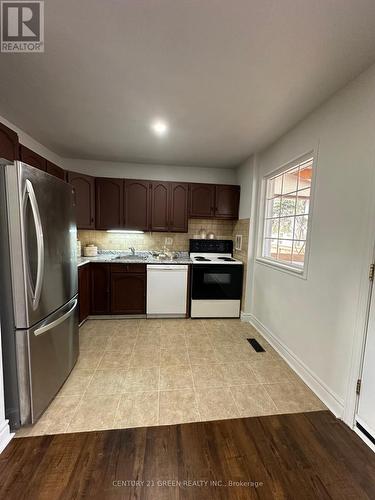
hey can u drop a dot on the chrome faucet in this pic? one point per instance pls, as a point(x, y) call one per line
point(132, 249)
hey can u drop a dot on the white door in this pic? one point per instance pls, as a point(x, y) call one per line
point(365, 418)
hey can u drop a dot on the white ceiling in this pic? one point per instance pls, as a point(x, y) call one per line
point(230, 76)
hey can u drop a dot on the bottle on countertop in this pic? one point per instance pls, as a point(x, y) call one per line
point(202, 233)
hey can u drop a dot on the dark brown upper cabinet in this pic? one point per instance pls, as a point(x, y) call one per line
point(100, 288)
point(8, 143)
point(179, 200)
point(84, 191)
point(109, 203)
point(202, 200)
point(227, 199)
point(149, 205)
point(169, 206)
point(53, 169)
point(160, 214)
point(33, 159)
point(137, 205)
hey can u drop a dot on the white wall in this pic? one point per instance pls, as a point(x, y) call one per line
point(245, 180)
point(152, 172)
point(319, 320)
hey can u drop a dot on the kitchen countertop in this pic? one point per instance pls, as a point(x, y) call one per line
point(127, 258)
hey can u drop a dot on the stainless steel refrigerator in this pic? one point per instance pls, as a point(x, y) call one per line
point(38, 288)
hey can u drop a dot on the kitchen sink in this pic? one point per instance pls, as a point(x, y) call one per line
point(130, 257)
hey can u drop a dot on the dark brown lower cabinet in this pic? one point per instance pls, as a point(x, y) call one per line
point(128, 293)
point(116, 288)
point(84, 291)
point(100, 288)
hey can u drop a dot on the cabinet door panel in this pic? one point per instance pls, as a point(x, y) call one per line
point(84, 291)
point(109, 203)
point(128, 293)
point(128, 268)
point(33, 159)
point(53, 169)
point(84, 189)
point(160, 206)
point(8, 143)
point(137, 205)
point(202, 200)
point(100, 288)
point(227, 202)
point(179, 198)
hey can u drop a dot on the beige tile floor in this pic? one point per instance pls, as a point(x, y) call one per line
point(133, 373)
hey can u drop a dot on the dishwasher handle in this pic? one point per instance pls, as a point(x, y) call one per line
point(167, 267)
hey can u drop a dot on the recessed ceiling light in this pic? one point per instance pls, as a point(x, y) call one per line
point(160, 127)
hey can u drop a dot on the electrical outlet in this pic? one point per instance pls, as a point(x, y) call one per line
point(238, 242)
point(169, 241)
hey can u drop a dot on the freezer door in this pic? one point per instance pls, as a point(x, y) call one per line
point(42, 236)
point(46, 355)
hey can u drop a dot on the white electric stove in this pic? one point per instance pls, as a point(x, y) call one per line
point(216, 284)
point(213, 258)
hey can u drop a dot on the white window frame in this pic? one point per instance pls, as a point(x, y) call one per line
point(294, 270)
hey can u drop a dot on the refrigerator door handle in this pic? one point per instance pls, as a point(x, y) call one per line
point(57, 321)
point(30, 194)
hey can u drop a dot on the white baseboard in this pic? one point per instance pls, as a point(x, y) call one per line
point(5, 435)
point(246, 317)
point(329, 398)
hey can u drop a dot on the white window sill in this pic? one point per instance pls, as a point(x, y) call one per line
point(299, 273)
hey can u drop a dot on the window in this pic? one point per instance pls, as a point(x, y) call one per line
point(286, 214)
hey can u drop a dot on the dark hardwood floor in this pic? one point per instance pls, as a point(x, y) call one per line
point(298, 456)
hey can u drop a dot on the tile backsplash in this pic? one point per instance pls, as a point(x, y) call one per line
point(241, 227)
point(155, 241)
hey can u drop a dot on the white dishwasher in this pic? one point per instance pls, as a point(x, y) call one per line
point(167, 290)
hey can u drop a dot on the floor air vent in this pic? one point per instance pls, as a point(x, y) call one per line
point(255, 345)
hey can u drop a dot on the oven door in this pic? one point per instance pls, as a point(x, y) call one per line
point(219, 282)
